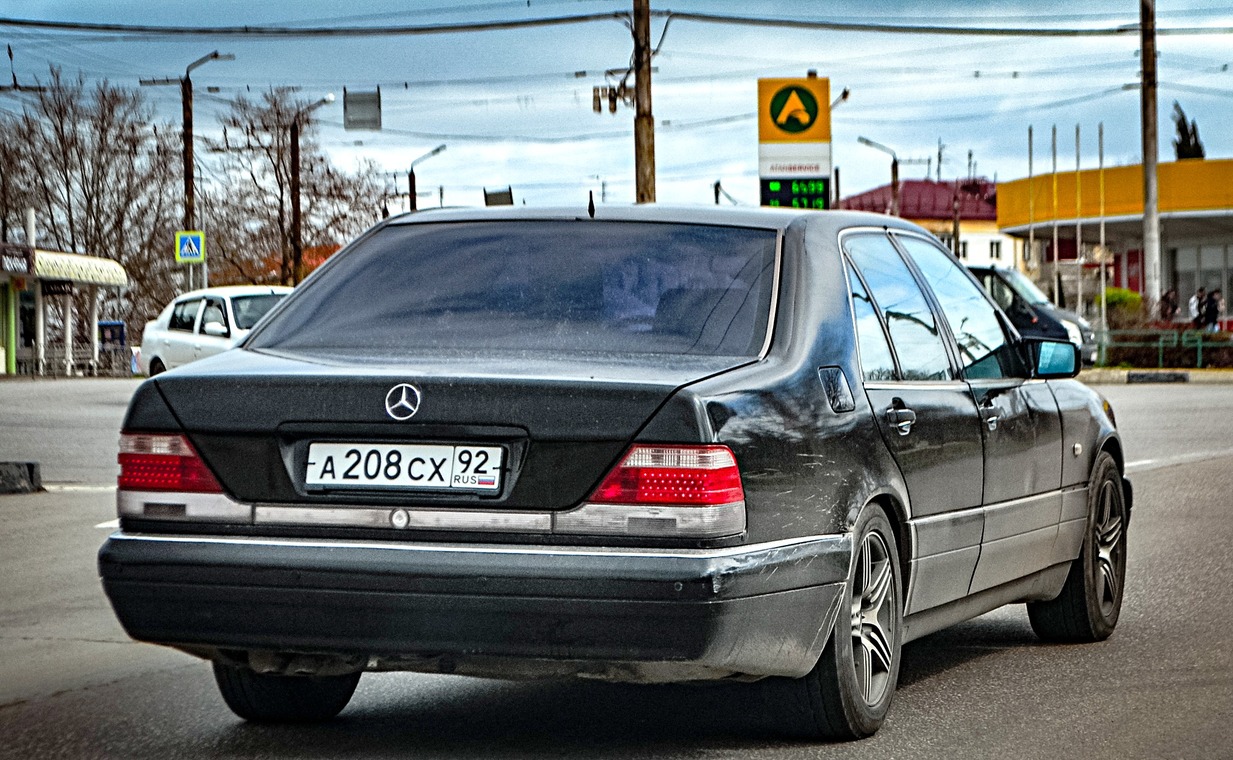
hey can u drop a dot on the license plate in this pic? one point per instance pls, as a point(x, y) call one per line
point(401, 466)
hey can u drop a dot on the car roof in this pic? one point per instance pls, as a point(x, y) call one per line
point(736, 216)
point(230, 291)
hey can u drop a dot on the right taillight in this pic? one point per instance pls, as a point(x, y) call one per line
point(155, 462)
point(672, 491)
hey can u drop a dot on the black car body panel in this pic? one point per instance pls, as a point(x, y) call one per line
point(987, 489)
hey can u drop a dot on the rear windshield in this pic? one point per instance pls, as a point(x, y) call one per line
point(563, 286)
point(249, 309)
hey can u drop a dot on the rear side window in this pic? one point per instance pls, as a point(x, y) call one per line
point(564, 286)
point(184, 315)
point(877, 362)
point(913, 330)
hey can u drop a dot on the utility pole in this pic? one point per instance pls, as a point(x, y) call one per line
point(1151, 199)
point(297, 240)
point(644, 122)
point(186, 103)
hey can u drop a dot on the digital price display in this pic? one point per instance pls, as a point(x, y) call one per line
point(806, 192)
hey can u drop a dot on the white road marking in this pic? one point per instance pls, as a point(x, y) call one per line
point(110, 524)
point(1191, 458)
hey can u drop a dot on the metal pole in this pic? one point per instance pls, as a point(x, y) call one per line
point(1057, 281)
point(186, 102)
point(894, 186)
point(40, 306)
point(412, 206)
point(297, 247)
point(67, 303)
point(1078, 229)
point(644, 122)
point(1151, 201)
point(1104, 282)
point(1031, 249)
point(93, 291)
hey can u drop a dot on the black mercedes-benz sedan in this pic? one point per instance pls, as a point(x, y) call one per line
point(641, 444)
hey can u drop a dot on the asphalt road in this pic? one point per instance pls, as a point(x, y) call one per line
point(72, 685)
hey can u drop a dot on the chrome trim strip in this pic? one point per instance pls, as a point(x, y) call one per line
point(770, 322)
point(917, 385)
point(834, 541)
point(654, 520)
point(164, 505)
point(405, 519)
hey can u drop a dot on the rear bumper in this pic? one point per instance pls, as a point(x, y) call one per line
point(759, 610)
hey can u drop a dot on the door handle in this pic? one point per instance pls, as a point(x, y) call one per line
point(901, 418)
point(989, 412)
point(992, 422)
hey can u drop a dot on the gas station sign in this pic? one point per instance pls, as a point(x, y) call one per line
point(794, 142)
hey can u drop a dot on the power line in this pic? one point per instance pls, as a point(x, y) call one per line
point(1126, 30)
point(290, 32)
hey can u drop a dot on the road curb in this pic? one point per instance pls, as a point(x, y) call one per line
point(1110, 376)
point(20, 477)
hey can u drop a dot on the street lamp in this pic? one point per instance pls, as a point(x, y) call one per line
point(411, 173)
point(186, 101)
point(297, 243)
point(894, 209)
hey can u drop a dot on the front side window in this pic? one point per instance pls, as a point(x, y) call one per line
point(913, 330)
point(184, 315)
point(214, 312)
point(973, 320)
point(563, 286)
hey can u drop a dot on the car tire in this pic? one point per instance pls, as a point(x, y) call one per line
point(848, 693)
point(263, 698)
point(156, 367)
point(1091, 601)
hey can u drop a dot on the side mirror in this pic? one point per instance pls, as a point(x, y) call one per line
point(217, 329)
point(1053, 359)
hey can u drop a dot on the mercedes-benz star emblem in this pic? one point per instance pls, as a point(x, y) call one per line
point(403, 401)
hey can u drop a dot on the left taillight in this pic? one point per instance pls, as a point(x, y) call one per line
point(156, 462)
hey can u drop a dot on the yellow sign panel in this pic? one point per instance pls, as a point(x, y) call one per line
point(794, 110)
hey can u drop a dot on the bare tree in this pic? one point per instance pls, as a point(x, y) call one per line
point(250, 211)
point(102, 181)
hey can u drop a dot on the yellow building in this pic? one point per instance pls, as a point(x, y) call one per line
point(1196, 224)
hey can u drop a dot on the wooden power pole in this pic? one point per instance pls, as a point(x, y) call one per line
point(644, 122)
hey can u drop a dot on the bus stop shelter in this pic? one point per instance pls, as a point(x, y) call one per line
point(29, 279)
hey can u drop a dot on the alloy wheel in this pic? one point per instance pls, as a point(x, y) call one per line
point(873, 618)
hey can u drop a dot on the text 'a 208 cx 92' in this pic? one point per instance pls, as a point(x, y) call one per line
point(650, 444)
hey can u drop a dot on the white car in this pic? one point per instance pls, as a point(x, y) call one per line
point(204, 322)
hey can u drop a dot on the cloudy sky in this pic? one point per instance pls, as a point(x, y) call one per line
point(513, 108)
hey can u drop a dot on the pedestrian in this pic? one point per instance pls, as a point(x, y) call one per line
point(1211, 311)
point(1197, 302)
point(1168, 306)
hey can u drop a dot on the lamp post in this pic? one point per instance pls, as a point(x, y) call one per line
point(412, 205)
point(186, 103)
point(297, 244)
point(894, 209)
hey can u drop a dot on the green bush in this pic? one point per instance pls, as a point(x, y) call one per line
point(1125, 308)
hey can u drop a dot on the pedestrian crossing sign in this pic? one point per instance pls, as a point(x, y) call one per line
point(190, 247)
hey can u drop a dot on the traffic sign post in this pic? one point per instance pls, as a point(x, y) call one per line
point(794, 142)
point(190, 249)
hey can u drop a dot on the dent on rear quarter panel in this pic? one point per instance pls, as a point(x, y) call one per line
point(806, 468)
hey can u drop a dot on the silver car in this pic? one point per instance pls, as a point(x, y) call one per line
point(204, 322)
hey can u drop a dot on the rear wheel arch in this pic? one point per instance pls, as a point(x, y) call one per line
point(897, 514)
